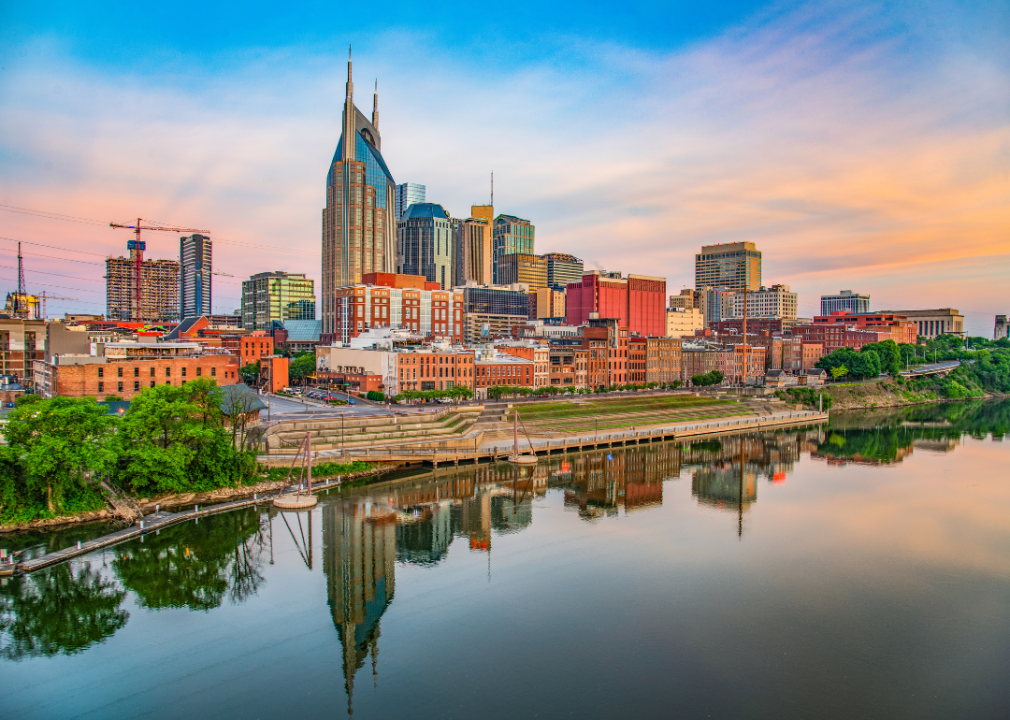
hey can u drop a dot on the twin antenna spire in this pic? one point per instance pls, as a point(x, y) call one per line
point(350, 91)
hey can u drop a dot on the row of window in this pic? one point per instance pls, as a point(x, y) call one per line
point(168, 372)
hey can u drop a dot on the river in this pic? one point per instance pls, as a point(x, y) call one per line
point(855, 570)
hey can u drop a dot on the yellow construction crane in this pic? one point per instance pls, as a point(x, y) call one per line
point(52, 297)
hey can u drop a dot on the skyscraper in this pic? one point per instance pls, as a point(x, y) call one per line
point(359, 224)
point(406, 195)
point(155, 298)
point(269, 296)
point(563, 269)
point(194, 276)
point(736, 266)
point(424, 243)
point(472, 251)
point(511, 235)
point(845, 300)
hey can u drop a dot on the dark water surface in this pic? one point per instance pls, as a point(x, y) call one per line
point(858, 570)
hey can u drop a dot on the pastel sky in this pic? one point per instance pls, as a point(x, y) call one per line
point(861, 146)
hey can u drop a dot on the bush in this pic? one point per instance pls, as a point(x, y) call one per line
point(375, 396)
point(710, 378)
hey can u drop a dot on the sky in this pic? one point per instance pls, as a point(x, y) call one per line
point(861, 146)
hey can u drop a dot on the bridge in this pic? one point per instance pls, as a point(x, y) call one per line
point(940, 368)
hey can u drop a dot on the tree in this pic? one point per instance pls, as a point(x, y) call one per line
point(301, 367)
point(54, 443)
point(251, 373)
point(839, 371)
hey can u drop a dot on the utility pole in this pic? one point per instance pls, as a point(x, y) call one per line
point(746, 291)
point(21, 298)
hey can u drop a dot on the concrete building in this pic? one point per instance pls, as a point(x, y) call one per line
point(547, 303)
point(397, 301)
point(22, 342)
point(281, 296)
point(425, 244)
point(1001, 330)
point(766, 302)
point(845, 300)
point(525, 268)
point(687, 300)
point(406, 195)
point(359, 220)
point(471, 251)
point(492, 311)
point(195, 263)
point(681, 323)
point(510, 235)
point(139, 290)
point(563, 269)
point(637, 302)
point(716, 304)
point(933, 323)
point(736, 266)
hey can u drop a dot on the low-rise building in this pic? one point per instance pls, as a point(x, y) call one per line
point(497, 368)
point(683, 322)
point(536, 352)
point(274, 373)
point(776, 301)
point(932, 323)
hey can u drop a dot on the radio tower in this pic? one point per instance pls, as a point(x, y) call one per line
point(21, 299)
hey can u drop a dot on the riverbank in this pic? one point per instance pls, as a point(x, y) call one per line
point(884, 393)
point(176, 501)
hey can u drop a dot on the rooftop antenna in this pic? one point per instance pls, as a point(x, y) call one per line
point(492, 188)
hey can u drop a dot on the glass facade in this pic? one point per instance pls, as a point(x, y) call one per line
point(425, 244)
point(278, 296)
point(531, 270)
point(195, 276)
point(495, 301)
point(733, 265)
point(845, 300)
point(511, 235)
point(563, 269)
point(406, 195)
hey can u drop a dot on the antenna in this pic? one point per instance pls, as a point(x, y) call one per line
point(492, 188)
point(21, 300)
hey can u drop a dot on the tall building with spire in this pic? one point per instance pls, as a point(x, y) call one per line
point(359, 222)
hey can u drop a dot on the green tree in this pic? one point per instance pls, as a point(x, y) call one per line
point(54, 443)
point(301, 367)
point(839, 371)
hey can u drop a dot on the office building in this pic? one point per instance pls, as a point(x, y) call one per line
point(933, 323)
point(736, 266)
point(525, 268)
point(406, 195)
point(774, 302)
point(407, 302)
point(511, 235)
point(472, 251)
point(683, 322)
point(138, 290)
point(547, 303)
point(686, 300)
point(563, 269)
point(282, 296)
point(638, 302)
point(194, 276)
point(359, 221)
point(424, 244)
point(491, 312)
point(1001, 330)
point(845, 300)
point(716, 303)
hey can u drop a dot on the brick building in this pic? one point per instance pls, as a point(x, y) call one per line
point(537, 353)
point(128, 378)
point(638, 302)
point(500, 369)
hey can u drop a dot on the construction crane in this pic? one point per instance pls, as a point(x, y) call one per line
point(52, 297)
point(137, 248)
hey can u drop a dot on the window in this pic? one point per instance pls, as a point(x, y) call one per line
point(101, 373)
point(136, 372)
point(168, 372)
point(199, 372)
point(213, 372)
point(152, 383)
point(120, 386)
point(119, 371)
point(184, 372)
point(152, 375)
point(101, 386)
point(136, 386)
point(168, 382)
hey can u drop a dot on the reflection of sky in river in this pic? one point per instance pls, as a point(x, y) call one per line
point(633, 586)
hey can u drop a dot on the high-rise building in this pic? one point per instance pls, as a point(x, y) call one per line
point(195, 276)
point(406, 195)
point(155, 298)
point(490, 312)
point(733, 265)
point(472, 251)
point(636, 302)
point(359, 223)
point(716, 303)
point(547, 302)
point(774, 302)
point(282, 296)
point(563, 269)
point(845, 300)
point(424, 244)
point(525, 268)
point(511, 235)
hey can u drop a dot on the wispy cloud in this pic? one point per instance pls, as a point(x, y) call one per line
point(858, 148)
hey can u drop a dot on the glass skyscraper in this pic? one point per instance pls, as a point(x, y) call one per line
point(511, 235)
point(359, 224)
point(194, 276)
point(425, 243)
point(406, 195)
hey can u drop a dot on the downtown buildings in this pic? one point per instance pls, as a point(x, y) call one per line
point(276, 296)
point(636, 302)
point(195, 276)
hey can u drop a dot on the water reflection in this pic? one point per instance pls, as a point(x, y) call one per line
point(196, 565)
point(60, 611)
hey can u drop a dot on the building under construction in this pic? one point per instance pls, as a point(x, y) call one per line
point(155, 298)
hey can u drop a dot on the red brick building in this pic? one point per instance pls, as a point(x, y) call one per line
point(638, 302)
point(255, 346)
point(127, 378)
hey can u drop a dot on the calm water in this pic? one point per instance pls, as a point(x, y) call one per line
point(860, 570)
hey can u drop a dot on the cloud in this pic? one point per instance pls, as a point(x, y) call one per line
point(858, 148)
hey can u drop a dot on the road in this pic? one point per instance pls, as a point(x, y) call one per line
point(284, 408)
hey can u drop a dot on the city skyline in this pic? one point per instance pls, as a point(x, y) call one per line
point(852, 147)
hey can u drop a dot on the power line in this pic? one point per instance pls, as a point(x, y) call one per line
point(53, 247)
point(43, 272)
point(65, 287)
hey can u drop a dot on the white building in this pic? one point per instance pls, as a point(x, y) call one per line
point(682, 323)
point(774, 302)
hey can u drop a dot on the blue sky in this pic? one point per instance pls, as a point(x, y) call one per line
point(862, 146)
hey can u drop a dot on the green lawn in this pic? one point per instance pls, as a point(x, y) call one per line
point(589, 407)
